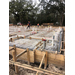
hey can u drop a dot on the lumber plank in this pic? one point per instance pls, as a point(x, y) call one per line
point(11, 49)
point(21, 54)
point(41, 63)
point(42, 60)
point(33, 68)
point(24, 56)
point(40, 47)
point(38, 43)
point(56, 59)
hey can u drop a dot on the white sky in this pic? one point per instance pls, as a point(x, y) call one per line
point(33, 1)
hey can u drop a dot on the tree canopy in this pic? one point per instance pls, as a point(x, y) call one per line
point(47, 11)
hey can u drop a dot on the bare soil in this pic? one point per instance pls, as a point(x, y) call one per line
point(23, 71)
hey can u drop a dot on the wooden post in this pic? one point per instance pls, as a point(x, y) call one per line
point(14, 59)
point(28, 56)
point(14, 48)
point(46, 58)
point(34, 55)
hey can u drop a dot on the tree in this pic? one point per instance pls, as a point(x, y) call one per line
point(22, 10)
point(54, 10)
point(58, 8)
point(47, 11)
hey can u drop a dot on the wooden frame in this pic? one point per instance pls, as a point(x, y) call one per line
point(17, 37)
point(43, 57)
point(36, 56)
point(33, 68)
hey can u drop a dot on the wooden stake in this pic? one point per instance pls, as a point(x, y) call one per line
point(14, 59)
point(14, 48)
point(28, 56)
point(38, 43)
point(34, 55)
point(46, 59)
point(41, 63)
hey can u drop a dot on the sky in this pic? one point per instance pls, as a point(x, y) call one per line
point(35, 1)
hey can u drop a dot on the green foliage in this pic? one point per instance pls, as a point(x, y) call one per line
point(50, 11)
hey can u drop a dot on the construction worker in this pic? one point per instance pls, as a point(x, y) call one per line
point(28, 26)
point(38, 25)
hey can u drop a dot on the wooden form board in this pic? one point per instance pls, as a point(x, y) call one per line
point(24, 56)
point(52, 58)
point(12, 34)
point(56, 59)
point(40, 38)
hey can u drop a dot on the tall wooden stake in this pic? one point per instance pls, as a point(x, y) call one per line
point(14, 59)
point(28, 56)
point(46, 58)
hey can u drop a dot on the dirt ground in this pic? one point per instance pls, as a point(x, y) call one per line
point(23, 71)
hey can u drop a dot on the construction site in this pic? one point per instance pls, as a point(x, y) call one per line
point(37, 51)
